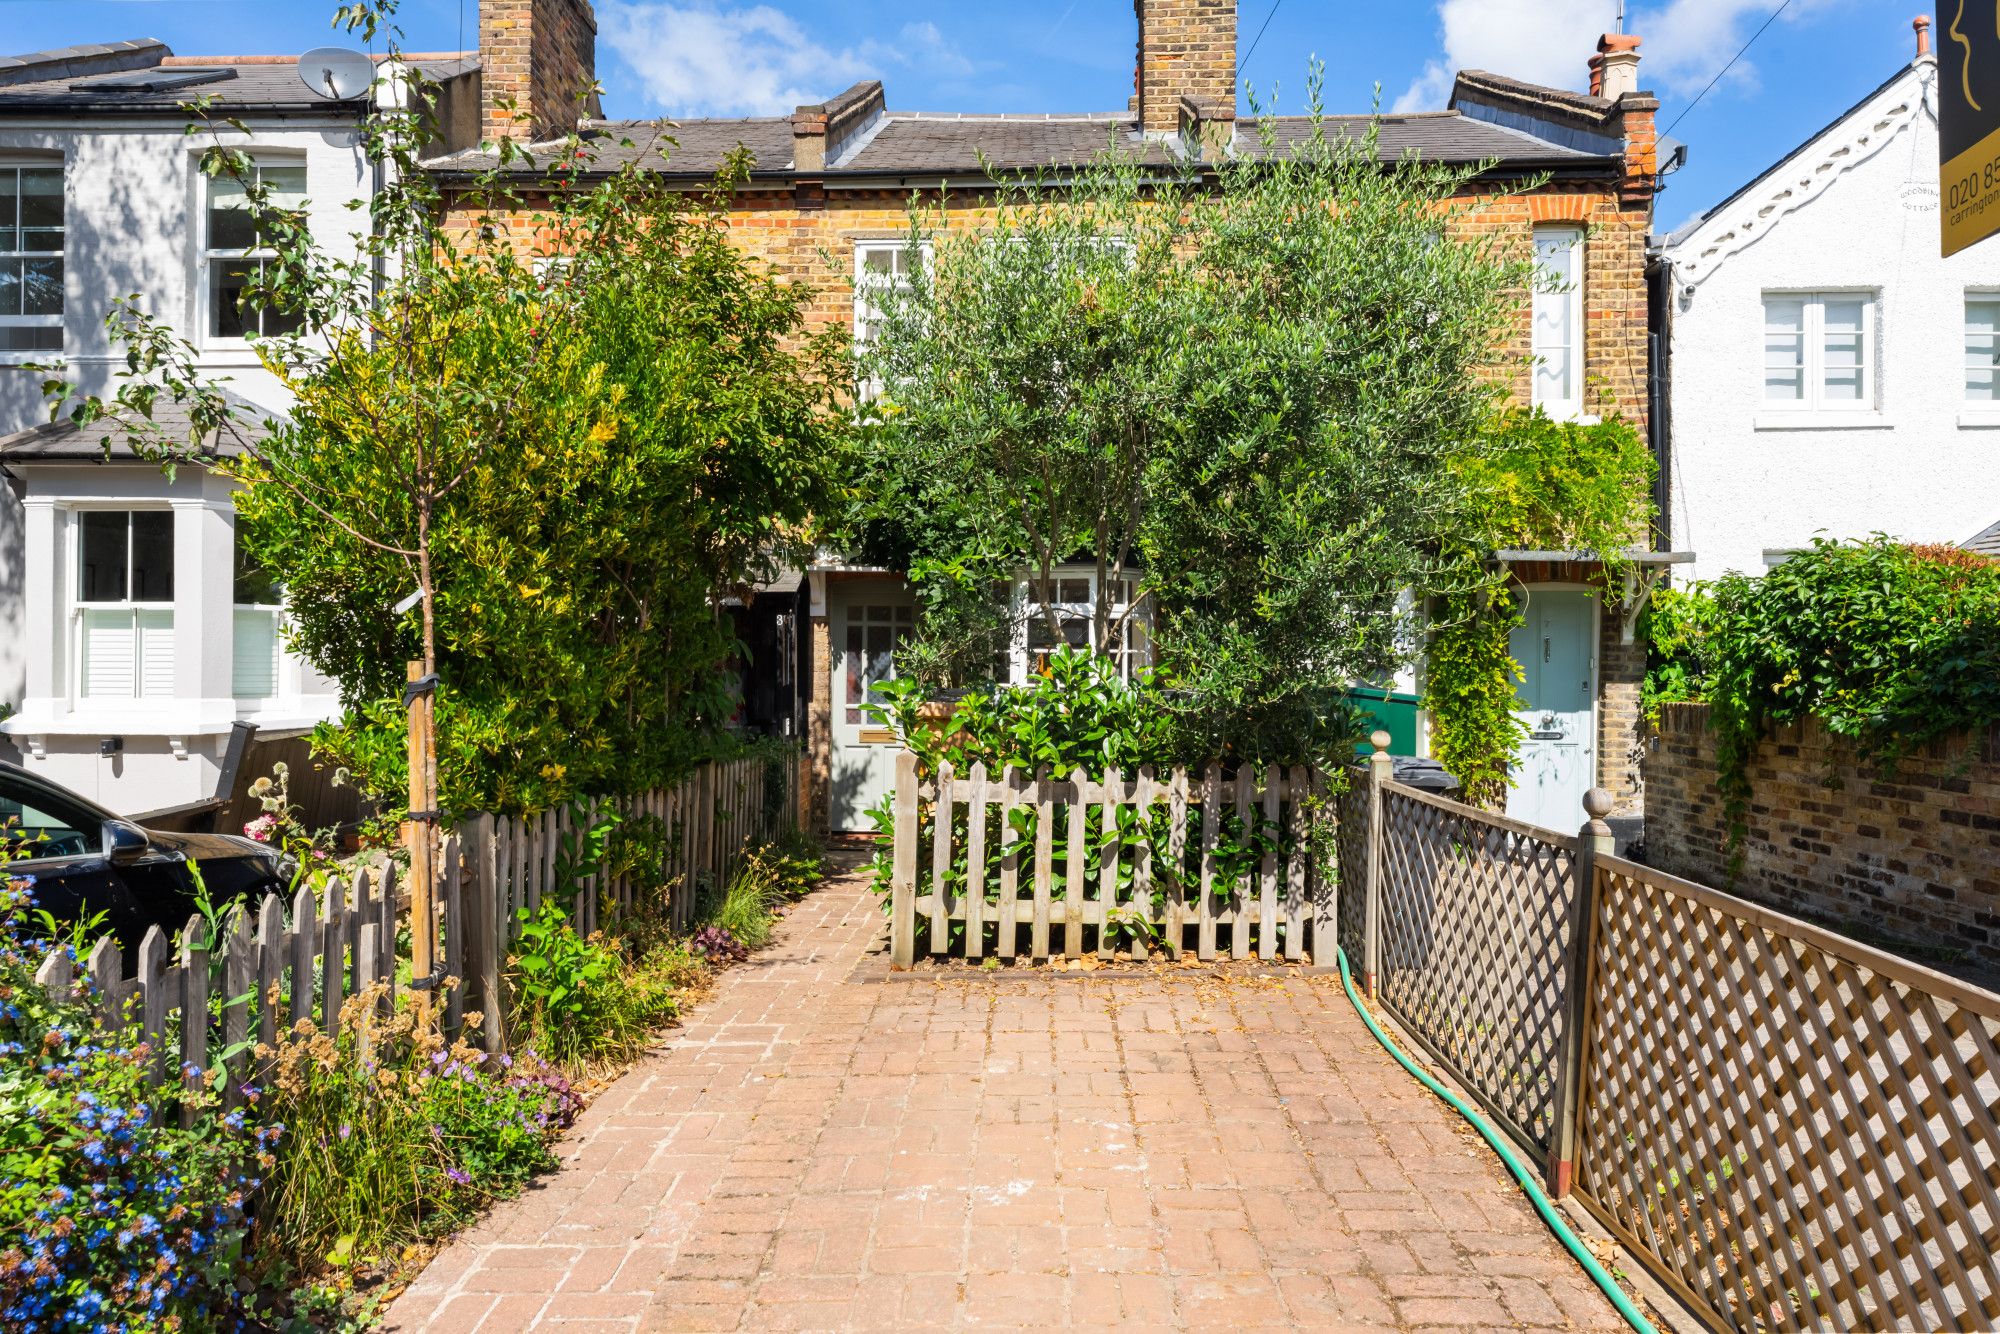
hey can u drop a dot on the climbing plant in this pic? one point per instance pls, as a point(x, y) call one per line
point(1889, 645)
point(1536, 483)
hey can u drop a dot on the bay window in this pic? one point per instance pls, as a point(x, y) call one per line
point(1818, 351)
point(31, 258)
point(236, 253)
point(1557, 319)
point(125, 604)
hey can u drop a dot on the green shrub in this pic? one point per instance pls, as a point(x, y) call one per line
point(583, 1002)
point(407, 1145)
point(1889, 645)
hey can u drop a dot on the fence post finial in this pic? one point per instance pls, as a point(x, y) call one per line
point(1381, 768)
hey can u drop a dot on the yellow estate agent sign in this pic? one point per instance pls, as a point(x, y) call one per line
point(1969, 123)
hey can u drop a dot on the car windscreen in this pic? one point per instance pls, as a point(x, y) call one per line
point(38, 822)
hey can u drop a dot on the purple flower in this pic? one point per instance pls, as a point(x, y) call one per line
point(457, 1176)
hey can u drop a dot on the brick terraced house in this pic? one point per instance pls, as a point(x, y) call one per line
point(835, 179)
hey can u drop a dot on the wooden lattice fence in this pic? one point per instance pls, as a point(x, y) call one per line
point(1790, 1129)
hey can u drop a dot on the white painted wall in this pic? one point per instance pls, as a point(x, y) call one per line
point(1856, 209)
point(133, 197)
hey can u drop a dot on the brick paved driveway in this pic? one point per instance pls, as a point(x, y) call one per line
point(824, 1148)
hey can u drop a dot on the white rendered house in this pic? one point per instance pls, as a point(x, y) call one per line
point(1830, 374)
point(132, 639)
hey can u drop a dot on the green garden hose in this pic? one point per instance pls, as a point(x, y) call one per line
point(1571, 1242)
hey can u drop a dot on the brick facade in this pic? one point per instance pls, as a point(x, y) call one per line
point(1912, 858)
point(541, 54)
point(804, 221)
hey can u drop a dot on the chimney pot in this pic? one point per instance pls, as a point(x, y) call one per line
point(1922, 23)
point(1618, 65)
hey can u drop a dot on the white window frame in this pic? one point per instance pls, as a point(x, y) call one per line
point(1976, 296)
point(1569, 298)
point(1136, 652)
point(1813, 399)
point(79, 609)
point(12, 165)
point(208, 255)
point(866, 284)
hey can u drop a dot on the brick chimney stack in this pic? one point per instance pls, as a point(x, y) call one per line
point(543, 55)
point(1187, 49)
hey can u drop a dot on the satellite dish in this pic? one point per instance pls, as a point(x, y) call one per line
point(336, 72)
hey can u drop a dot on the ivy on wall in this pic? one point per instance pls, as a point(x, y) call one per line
point(1889, 645)
point(1534, 483)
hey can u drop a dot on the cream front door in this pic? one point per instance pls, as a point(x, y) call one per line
point(1556, 645)
point(866, 620)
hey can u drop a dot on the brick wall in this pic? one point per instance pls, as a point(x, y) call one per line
point(543, 55)
point(1913, 858)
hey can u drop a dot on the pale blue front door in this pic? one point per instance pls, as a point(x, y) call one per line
point(1556, 645)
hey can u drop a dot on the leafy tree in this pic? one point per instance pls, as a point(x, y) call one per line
point(1242, 381)
point(569, 447)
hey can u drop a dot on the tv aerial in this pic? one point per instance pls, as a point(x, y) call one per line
point(336, 72)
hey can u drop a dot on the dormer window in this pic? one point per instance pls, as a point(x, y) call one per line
point(31, 258)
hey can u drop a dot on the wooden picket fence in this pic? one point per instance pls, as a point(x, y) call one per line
point(270, 965)
point(701, 828)
point(269, 970)
point(1143, 862)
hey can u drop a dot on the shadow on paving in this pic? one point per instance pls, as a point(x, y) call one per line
point(1166, 1150)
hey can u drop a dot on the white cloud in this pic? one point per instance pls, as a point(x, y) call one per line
point(1551, 42)
point(756, 60)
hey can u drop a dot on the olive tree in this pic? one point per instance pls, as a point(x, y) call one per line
point(1243, 380)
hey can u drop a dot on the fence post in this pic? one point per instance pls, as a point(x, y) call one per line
point(903, 879)
point(1592, 841)
point(1380, 768)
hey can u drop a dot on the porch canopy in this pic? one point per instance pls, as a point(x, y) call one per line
point(1643, 571)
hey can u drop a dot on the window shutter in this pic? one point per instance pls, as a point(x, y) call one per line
point(156, 654)
point(128, 654)
point(254, 659)
point(109, 657)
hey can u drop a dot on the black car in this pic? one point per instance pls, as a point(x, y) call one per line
point(81, 859)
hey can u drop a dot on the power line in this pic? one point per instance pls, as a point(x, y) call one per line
point(1260, 37)
point(1726, 68)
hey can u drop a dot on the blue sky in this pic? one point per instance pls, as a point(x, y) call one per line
point(724, 57)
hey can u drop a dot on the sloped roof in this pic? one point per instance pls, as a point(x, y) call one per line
point(1986, 542)
point(1826, 144)
point(105, 441)
point(906, 143)
point(148, 77)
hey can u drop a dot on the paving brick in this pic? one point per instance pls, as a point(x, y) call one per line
point(816, 1151)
